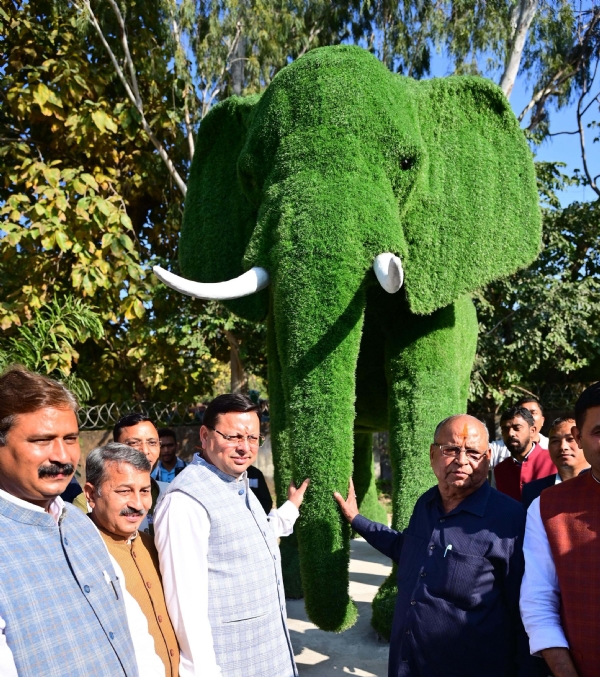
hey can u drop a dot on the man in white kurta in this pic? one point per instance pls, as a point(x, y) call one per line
point(219, 558)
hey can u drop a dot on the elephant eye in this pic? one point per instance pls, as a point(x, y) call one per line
point(407, 162)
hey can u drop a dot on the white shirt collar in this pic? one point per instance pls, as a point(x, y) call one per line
point(55, 508)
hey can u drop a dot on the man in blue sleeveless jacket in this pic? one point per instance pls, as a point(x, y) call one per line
point(61, 606)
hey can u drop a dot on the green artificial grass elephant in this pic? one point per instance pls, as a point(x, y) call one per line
point(337, 165)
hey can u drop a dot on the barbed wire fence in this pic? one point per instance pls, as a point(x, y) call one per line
point(163, 414)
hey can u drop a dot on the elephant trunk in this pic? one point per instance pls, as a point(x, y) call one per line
point(322, 248)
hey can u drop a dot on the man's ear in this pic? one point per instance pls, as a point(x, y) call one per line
point(90, 494)
point(576, 436)
point(218, 220)
point(473, 215)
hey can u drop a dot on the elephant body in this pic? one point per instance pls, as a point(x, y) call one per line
point(336, 162)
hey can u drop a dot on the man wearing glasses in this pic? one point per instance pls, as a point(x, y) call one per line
point(138, 431)
point(460, 564)
point(219, 556)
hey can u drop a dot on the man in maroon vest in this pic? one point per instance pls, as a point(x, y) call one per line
point(560, 595)
point(528, 461)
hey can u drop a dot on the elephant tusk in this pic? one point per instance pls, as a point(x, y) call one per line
point(249, 283)
point(388, 269)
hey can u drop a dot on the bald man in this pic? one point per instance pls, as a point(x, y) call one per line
point(460, 564)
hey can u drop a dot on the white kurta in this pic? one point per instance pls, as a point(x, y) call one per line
point(540, 592)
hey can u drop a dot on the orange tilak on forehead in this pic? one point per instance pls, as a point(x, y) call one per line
point(466, 431)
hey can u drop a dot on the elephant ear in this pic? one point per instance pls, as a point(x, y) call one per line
point(218, 220)
point(474, 216)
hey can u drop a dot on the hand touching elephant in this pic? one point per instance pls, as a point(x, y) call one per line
point(338, 180)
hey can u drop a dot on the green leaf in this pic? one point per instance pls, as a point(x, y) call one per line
point(63, 241)
point(103, 121)
point(52, 176)
point(89, 179)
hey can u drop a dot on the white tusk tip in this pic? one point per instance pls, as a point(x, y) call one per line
point(389, 272)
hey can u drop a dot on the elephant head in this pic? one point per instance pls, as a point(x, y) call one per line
point(295, 195)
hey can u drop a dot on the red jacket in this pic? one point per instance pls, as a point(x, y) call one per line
point(511, 475)
point(571, 516)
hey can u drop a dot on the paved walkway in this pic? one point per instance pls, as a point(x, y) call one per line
point(357, 651)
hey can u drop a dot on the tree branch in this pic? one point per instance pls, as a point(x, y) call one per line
point(577, 57)
point(132, 89)
point(527, 10)
point(591, 180)
point(189, 131)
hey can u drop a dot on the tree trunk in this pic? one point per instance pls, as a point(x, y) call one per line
point(237, 66)
point(524, 16)
point(239, 378)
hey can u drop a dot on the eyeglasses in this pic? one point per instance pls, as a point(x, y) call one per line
point(452, 451)
point(142, 443)
point(252, 440)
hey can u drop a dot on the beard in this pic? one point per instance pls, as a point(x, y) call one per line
point(515, 447)
point(53, 469)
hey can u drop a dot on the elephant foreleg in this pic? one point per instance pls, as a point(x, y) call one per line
point(290, 559)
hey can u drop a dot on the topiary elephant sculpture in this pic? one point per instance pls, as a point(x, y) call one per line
point(355, 210)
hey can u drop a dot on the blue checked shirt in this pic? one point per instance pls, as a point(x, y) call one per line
point(459, 576)
point(161, 474)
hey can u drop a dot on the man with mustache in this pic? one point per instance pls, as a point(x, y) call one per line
point(59, 594)
point(118, 492)
point(528, 461)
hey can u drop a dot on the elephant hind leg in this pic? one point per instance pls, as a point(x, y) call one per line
point(364, 479)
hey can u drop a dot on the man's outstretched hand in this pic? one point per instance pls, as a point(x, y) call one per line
point(349, 506)
point(296, 496)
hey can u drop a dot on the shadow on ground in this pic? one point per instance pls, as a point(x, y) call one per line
point(358, 651)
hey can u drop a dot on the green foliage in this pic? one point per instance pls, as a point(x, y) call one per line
point(87, 206)
point(312, 184)
point(47, 342)
point(541, 325)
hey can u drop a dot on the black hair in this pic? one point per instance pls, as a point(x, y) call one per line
point(562, 419)
point(127, 421)
point(511, 413)
point(99, 458)
point(529, 398)
point(588, 399)
point(225, 404)
point(167, 432)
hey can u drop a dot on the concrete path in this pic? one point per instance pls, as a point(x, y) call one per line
point(357, 651)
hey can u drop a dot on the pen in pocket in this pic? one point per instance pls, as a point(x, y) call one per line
point(109, 581)
point(448, 547)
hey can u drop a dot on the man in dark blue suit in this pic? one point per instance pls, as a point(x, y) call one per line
point(460, 564)
point(566, 456)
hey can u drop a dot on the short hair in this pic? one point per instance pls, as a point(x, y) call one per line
point(114, 452)
point(226, 404)
point(441, 424)
point(529, 398)
point(127, 421)
point(513, 412)
point(23, 392)
point(588, 399)
point(561, 419)
point(167, 432)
